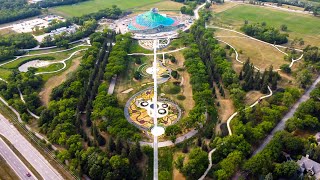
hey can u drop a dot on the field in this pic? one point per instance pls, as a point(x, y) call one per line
point(96, 5)
point(164, 5)
point(299, 25)
point(262, 55)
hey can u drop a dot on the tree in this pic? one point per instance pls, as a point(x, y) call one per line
point(284, 27)
point(229, 165)
point(197, 164)
point(287, 169)
point(137, 75)
point(304, 78)
point(285, 68)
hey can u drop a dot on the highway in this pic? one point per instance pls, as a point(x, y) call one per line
point(14, 162)
point(30, 153)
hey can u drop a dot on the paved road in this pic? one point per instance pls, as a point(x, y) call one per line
point(14, 162)
point(282, 123)
point(31, 154)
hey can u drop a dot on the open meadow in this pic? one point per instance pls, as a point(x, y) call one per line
point(96, 5)
point(299, 25)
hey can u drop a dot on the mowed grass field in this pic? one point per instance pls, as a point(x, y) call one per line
point(163, 5)
point(96, 5)
point(260, 54)
point(299, 25)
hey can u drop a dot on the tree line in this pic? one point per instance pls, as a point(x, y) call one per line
point(265, 33)
point(11, 44)
point(52, 3)
point(69, 113)
point(88, 25)
point(13, 10)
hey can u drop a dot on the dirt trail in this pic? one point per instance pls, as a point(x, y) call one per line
point(56, 81)
point(226, 108)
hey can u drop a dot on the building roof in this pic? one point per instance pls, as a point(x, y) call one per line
point(307, 164)
point(151, 20)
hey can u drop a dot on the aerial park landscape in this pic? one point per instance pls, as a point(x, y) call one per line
point(160, 89)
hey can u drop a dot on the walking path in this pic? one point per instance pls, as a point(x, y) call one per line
point(252, 105)
point(281, 125)
point(210, 164)
point(217, 27)
point(237, 55)
point(22, 99)
point(112, 85)
point(63, 62)
point(29, 55)
point(143, 54)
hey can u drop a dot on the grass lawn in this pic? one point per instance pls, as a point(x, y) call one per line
point(5, 73)
point(96, 5)
point(260, 54)
point(58, 56)
point(162, 6)
point(51, 67)
point(299, 25)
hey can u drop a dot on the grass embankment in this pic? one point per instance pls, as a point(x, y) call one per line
point(5, 171)
point(299, 25)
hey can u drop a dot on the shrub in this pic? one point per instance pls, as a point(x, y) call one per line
point(138, 61)
point(285, 68)
point(172, 89)
point(181, 97)
point(137, 75)
point(175, 74)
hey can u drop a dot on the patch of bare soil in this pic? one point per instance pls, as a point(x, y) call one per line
point(252, 96)
point(56, 81)
point(226, 108)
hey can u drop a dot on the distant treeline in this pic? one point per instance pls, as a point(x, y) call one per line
point(12, 10)
point(88, 25)
point(51, 3)
point(10, 45)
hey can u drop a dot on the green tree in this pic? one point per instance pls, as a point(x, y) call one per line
point(196, 165)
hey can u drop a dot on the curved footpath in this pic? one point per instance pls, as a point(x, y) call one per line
point(63, 62)
point(29, 55)
point(210, 164)
point(281, 125)
point(252, 105)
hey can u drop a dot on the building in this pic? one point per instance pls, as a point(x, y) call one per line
point(309, 166)
point(152, 22)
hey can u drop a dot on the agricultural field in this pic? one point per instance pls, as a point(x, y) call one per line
point(96, 5)
point(299, 25)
